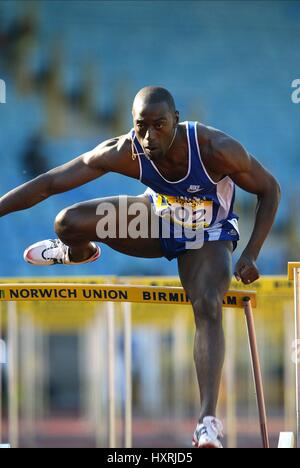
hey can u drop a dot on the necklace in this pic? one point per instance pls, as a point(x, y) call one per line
point(174, 136)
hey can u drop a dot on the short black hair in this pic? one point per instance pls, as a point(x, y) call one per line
point(156, 94)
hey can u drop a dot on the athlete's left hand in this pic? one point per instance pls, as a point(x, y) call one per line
point(246, 270)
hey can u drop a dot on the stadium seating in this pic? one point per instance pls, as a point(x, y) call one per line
point(237, 78)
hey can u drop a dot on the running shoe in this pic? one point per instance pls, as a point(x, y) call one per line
point(208, 434)
point(54, 252)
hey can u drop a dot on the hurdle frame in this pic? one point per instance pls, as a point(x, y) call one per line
point(294, 275)
point(128, 294)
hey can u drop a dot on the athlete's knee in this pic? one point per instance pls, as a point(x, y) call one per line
point(208, 306)
point(66, 223)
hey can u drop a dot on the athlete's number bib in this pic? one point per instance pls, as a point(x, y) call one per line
point(192, 214)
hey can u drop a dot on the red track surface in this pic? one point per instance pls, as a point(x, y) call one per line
point(72, 432)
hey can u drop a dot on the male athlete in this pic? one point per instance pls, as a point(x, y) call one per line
point(187, 165)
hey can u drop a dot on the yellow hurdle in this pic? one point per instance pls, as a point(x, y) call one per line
point(110, 293)
point(126, 294)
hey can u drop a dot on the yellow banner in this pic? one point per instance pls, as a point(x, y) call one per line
point(109, 293)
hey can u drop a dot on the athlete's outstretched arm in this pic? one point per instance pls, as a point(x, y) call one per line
point(87, 167)
point(231, 158)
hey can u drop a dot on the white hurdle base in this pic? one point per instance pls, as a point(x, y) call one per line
point(286, 440)
point(4, 446)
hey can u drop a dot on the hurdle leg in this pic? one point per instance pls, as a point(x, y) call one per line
point(127, 314)
point(257, 373)
point(111, 349)
point(286, 440)
point(13, 404)
point(1, 362)
point(297, 342)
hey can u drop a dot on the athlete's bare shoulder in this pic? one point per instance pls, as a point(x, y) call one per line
point(115, 155)
point(221, 153)
point(212, 137)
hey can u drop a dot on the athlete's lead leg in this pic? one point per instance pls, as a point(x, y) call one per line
point(77, 228)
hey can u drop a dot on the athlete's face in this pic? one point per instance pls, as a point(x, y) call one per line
point(154, 125)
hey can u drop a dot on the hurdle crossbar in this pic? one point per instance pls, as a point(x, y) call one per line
point(110, 293)
point(128, 294)
point(294, 275)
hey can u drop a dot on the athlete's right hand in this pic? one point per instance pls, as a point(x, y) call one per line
point(246, 270)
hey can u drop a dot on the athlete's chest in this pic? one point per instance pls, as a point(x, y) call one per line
point(181, 166)
point(176, 170)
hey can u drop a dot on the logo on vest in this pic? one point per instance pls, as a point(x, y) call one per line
point(195, 189)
